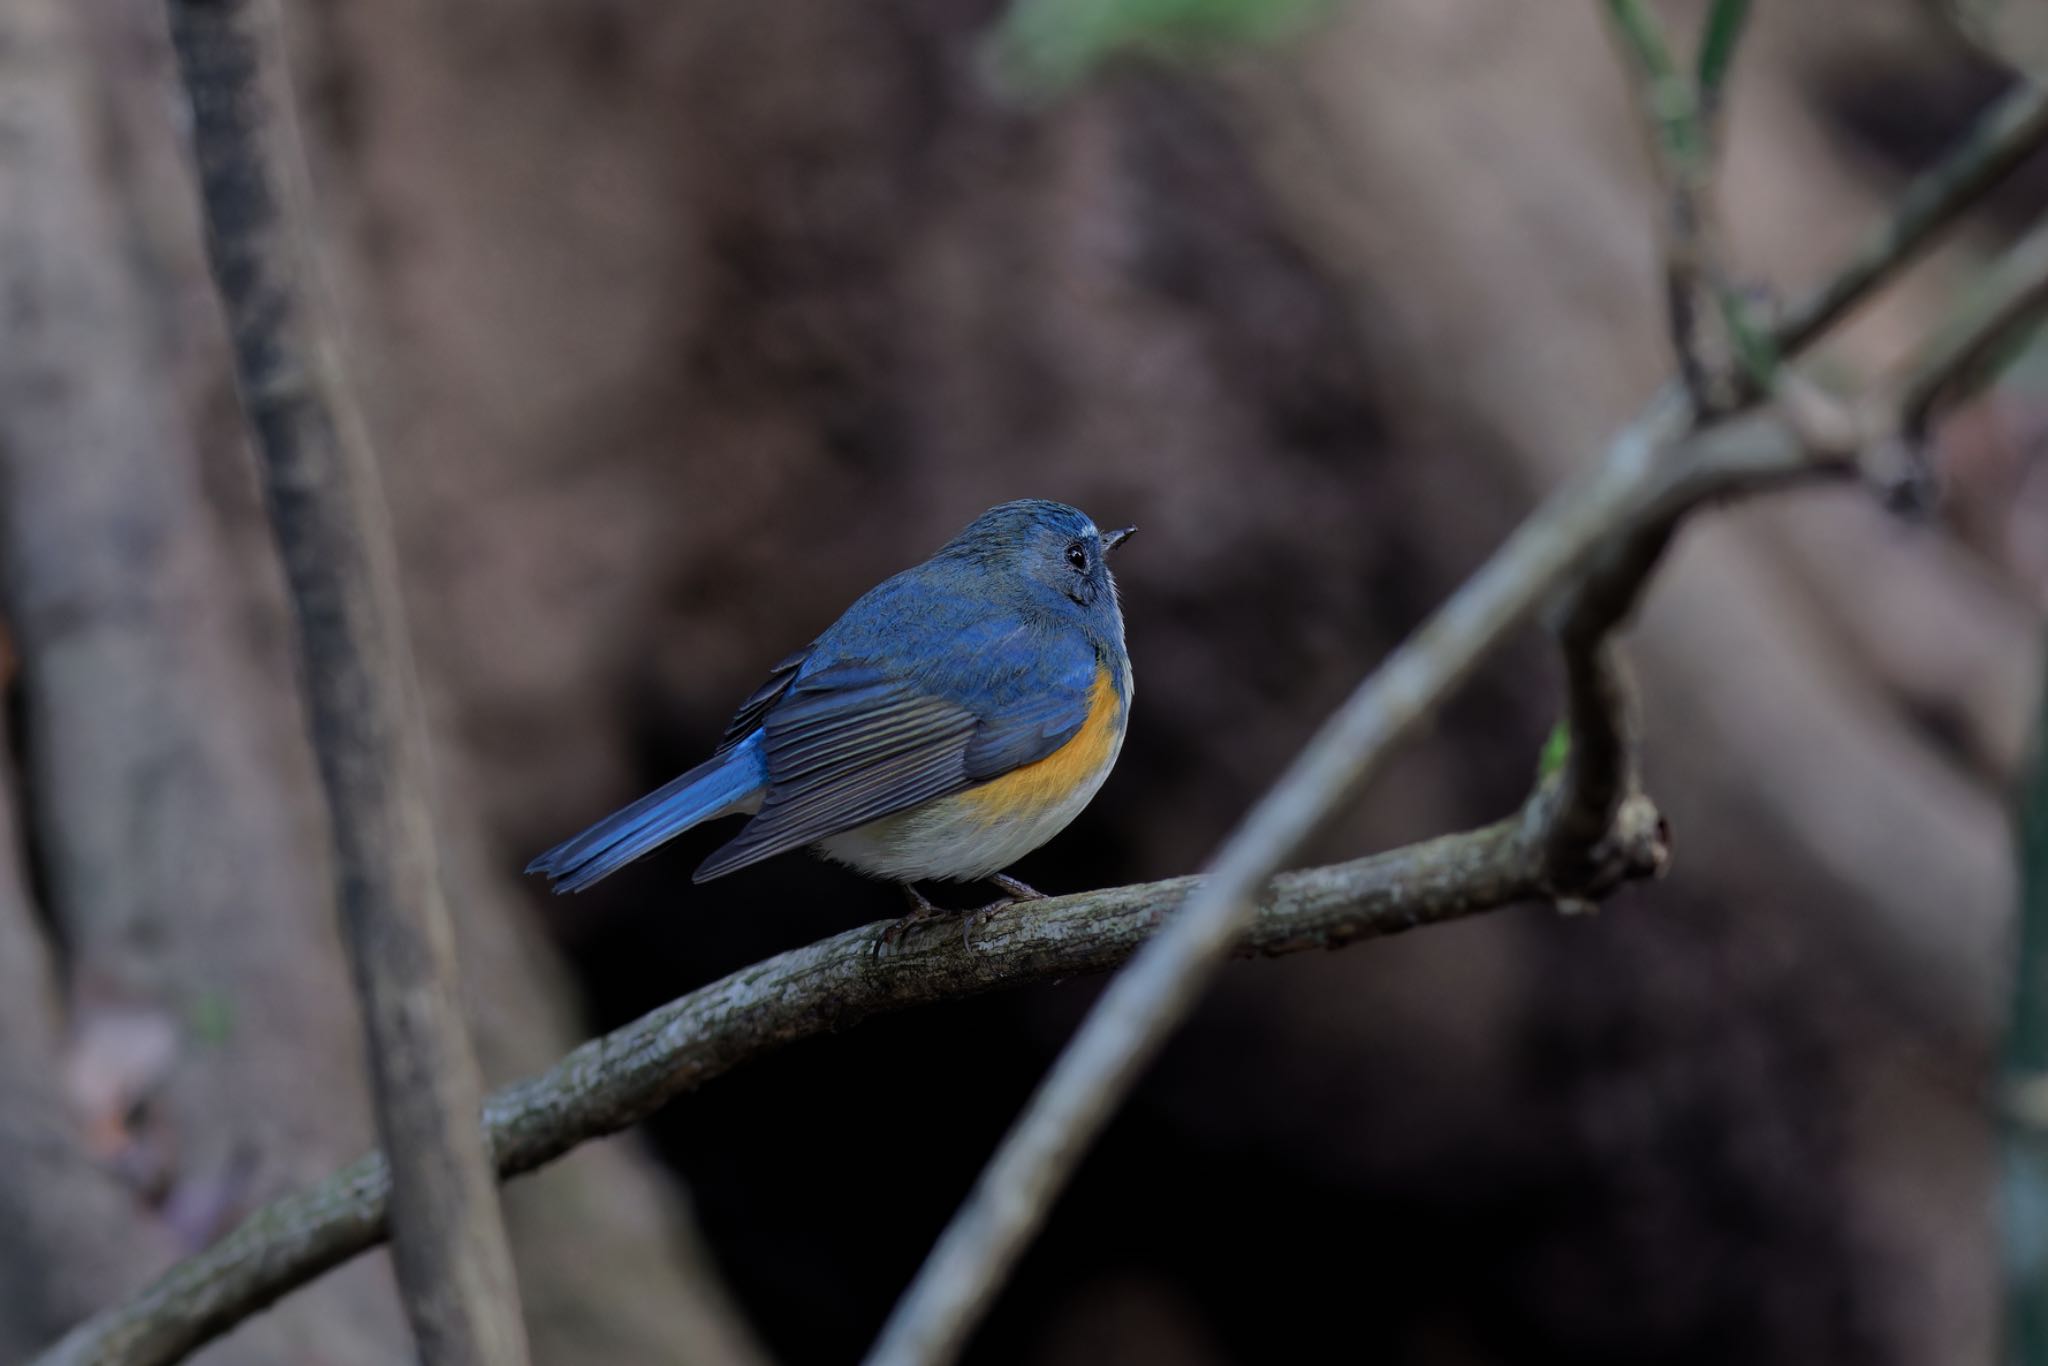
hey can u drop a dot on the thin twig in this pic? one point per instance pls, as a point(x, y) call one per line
point(1996, 312)
point(319, 476)
point(1724, 363)
point(1992, 27)
point(2006, 135)
point(1670, 104)
point(1601, 725)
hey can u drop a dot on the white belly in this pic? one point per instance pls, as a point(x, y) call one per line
point(954, 838)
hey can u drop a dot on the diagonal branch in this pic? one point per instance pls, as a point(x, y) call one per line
point(1652, 476)
point(2007, 134)
point(320, 480)
point(1642, 482)
point(1998, 313)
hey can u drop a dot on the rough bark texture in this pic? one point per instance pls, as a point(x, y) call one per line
point(326, 505)
point(619, 1080)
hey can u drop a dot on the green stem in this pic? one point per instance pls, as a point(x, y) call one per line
point(1717, 50)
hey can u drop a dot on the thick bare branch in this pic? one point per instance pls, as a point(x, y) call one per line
point(319, 476)
point(614, 1082)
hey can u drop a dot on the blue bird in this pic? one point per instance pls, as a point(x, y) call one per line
point(956, 717)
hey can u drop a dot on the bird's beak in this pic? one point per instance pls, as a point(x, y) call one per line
point(1112, 539)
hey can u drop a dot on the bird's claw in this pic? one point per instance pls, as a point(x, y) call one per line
point(921, 910)
point(980, 916)
point(1016, 889)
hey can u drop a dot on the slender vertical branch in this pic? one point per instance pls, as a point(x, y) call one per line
point(1722, 352)
point(320, 480)
point(2024, 1202)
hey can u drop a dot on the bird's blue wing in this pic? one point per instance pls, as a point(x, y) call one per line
point(852, 740)
point(748, 718)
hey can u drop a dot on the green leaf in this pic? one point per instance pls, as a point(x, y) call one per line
point(1043, 47)
point(1557, 747)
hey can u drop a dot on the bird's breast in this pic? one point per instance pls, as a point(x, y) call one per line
point(987, 828)
point(1080, 765)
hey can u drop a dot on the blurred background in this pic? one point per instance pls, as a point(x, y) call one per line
point(677, 326)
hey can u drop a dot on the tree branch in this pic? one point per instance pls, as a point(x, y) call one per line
point(1998, 312)
point(320, 480)
point(1650, 474)
point(614, 1082)
point(2006, 135)
point(1716, 367)
point(1632, 501)
point(2007, 33)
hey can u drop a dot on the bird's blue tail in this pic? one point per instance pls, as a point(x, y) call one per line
point(710, 789)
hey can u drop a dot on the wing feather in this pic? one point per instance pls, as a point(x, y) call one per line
point(748, 718)
point(852, 741)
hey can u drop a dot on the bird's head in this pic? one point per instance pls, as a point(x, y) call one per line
point(1047, 546)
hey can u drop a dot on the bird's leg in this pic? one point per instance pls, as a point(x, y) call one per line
point(1018, 890)
point(921, 910)
point(1015, 890)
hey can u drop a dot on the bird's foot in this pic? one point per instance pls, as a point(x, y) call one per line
point(921, 910)
point(1015, 891)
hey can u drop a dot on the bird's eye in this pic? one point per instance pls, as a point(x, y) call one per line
point(1077, 555)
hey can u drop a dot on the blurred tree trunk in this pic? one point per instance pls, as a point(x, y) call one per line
point(168, 788)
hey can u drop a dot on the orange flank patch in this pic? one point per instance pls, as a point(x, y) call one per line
point(1028, 790)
